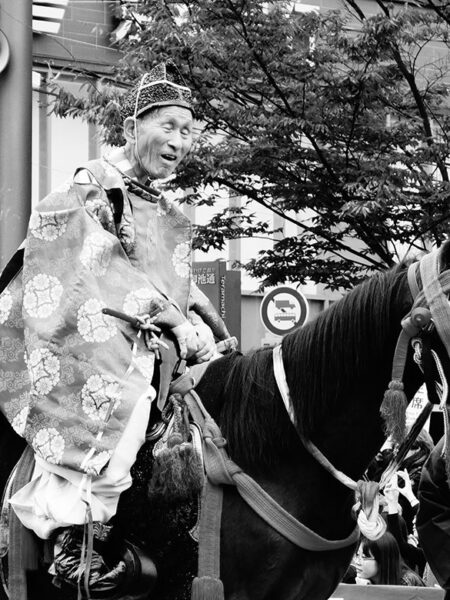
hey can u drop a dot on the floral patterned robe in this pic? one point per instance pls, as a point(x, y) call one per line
point(69, 374)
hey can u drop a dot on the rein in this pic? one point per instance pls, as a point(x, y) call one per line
point(280, 378)
point(221, 470)
point(429, 289)
point(371, 524)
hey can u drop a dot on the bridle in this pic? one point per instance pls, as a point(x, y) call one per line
point(430, 309)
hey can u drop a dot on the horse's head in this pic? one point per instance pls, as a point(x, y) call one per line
point(425, 328)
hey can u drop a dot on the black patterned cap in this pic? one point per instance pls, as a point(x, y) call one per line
point(162, 86)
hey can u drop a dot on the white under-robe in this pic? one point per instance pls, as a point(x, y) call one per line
point(56, 496)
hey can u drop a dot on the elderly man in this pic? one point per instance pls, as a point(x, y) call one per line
point(78, 380)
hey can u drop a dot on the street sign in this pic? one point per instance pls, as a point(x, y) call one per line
point(283, 310)
point(223, 288)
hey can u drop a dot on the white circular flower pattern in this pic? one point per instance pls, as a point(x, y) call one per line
point(92, 324)
point(97, 395)
point(95, 464)
point(181, 259)
point(146, 365)
point(100, 212)
point(20, 420)
point(6, 302)
point(49, 444)
point(138, 301)
point(48, 226)
point(96, 253)
point(42, 295)
point(44, 370)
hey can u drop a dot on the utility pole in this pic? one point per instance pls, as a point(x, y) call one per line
point(16, 35)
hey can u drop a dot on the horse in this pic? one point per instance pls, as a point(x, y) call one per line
point(337, 370)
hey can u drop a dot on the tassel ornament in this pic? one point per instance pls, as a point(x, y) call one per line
point(393, 410)
point(177, 473)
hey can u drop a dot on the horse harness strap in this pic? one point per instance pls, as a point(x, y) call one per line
point(429, 288)
point(221, 470)
point(369, 521)
point(280, 378)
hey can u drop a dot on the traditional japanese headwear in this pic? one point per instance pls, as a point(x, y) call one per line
point(162, 86)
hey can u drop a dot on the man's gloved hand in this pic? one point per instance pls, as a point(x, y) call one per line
point(195, 341)
point(187, 339)
point(166, 316)
point(206, 343)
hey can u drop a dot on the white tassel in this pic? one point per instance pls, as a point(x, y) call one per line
point(370, 522)
point(372, 530)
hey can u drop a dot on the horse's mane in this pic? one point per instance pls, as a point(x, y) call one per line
point(321, 360)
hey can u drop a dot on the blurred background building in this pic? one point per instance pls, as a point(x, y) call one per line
point(74, 39)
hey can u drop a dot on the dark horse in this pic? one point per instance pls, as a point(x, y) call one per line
point(338, 368)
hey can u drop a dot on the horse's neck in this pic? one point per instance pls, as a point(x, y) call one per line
point(353, 377)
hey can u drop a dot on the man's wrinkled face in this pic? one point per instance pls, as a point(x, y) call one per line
point(163, 139)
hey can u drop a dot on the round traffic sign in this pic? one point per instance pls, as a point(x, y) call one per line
point(283, 310)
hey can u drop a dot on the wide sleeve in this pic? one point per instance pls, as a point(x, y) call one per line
point(70, 375)
point(201, 307)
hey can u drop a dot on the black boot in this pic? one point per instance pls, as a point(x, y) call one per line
point(68, 569)
point(116, 565)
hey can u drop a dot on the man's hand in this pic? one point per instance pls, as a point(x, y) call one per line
point(187, 339)
point(206, 343)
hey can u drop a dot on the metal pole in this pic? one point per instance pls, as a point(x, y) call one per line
point(15, 126)
point(45, 147)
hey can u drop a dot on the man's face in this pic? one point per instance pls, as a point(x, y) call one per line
point(163, 140)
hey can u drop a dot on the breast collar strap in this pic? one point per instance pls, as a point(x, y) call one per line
point(280, 378)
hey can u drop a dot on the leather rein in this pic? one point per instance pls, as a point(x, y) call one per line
point(429, 289)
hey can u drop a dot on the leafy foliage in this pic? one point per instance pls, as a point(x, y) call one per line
point(338, 122)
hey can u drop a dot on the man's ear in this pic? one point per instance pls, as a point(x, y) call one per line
point(129, 129)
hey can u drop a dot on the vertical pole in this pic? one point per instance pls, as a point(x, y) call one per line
point(93, 145)
point(15, 126)
point(45, 156)
point(235, 246)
